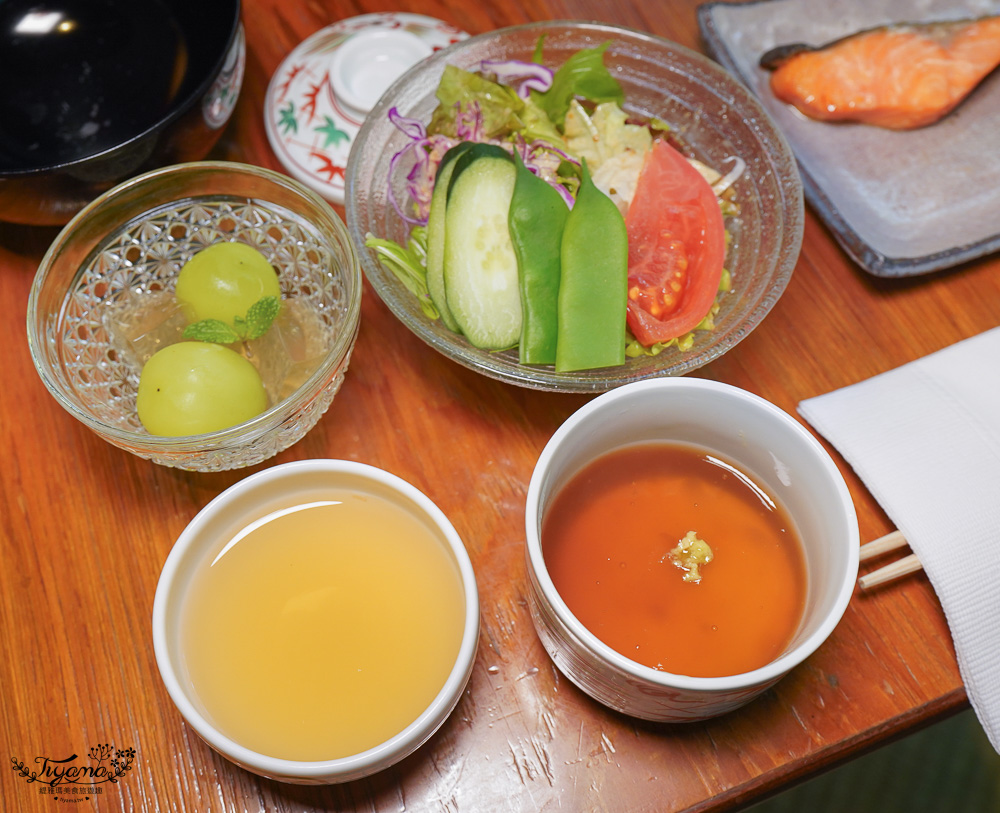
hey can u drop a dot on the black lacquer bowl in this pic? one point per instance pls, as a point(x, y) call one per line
point(97, 91)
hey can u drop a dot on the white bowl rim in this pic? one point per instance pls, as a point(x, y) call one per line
point(669, 680)
point(380, 756)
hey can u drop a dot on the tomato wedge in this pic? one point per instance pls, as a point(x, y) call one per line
point(676, 247)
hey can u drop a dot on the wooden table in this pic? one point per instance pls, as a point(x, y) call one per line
point(85, 528)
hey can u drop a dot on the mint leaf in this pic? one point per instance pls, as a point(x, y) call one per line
point(255, 324)
point(261, 315)
point(211, 330)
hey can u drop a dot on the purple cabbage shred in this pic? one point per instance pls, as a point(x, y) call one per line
point(524, 77)
point(539, 156)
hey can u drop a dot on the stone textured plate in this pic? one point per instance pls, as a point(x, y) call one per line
point(899, 203)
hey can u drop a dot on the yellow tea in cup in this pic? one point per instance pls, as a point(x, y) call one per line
point(323, 629)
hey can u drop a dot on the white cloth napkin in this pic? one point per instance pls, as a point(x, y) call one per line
point(925, 439)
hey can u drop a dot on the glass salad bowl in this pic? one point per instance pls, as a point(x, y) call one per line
point(708, 109)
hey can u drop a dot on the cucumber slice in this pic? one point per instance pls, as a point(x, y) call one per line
point(435, 235)
point(480, 266)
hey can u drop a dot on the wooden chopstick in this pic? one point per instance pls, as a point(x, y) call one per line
point(891, 572)
point(894, 570)
point(884, 544)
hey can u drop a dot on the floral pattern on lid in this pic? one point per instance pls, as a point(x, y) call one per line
point(312, 129)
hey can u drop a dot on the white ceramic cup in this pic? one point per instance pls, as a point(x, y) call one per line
point(765, 441)
point(260, 495)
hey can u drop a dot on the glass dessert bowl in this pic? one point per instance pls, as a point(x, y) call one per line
point(102, 303)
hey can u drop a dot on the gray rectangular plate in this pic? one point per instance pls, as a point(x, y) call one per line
point(900, 203)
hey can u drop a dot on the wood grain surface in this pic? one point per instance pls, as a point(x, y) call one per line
point(85, 528)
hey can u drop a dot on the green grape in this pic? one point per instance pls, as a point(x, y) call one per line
point(190, 388)
point(223, 280)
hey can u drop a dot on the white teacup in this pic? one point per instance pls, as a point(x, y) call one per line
point(763, 440)
point(265, 494)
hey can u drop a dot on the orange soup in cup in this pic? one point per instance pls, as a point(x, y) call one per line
point(677, 559)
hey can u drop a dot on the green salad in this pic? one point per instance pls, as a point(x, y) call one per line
point(544, 217)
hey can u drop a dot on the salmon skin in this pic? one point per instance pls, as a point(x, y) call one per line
point(900, 76)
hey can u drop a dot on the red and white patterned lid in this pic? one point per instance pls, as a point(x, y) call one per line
point(318, 97)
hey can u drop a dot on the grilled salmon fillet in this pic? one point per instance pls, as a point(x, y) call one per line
point(899, 76)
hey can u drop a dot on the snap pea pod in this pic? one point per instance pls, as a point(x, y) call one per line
point(536, 221)
point(593, 287)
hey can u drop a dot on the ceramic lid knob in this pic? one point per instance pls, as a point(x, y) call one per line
point(369, 62)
